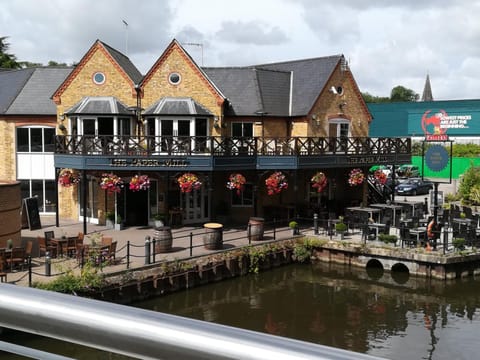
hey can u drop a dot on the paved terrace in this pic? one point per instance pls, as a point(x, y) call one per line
point(232, 237)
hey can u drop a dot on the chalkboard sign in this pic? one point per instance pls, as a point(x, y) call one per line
point(30, 215)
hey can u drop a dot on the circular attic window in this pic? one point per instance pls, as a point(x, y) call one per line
point(174, 78)
point(99, 78)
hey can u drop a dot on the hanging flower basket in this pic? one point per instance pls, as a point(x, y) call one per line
point(68, 177)
point(319, 181)
point(236, 182)
point(380, 177)
point(276, 183)
point(139, 182)
point(356, 177)
point(188, 182)
point(111, 182)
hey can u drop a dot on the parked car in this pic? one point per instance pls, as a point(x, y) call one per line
point(414, 186)
point(408, 171)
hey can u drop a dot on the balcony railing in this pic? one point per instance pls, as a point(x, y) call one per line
point(228, 146)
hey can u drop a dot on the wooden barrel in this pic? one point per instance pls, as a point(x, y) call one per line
point(255, 228)
point(163, 239)
point(213, 237)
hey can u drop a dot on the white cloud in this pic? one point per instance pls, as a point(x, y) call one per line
point(388, 42)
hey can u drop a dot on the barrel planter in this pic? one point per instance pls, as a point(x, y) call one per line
point(163, 239)
point(255, 228)
point(213, 237)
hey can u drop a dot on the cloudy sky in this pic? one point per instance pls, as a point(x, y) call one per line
point(387, 42)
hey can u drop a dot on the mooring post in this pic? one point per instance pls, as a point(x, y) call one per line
point(315, 224)
point(147, 250)
point(48, 265)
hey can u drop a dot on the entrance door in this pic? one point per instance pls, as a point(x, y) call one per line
point(195, 206)
point(136, 209)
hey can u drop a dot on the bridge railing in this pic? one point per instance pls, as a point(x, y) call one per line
point(145, 334)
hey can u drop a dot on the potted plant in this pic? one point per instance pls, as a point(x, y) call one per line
point(341, 228)
point(110, 219)
point(159, 220)
point(294, 226)
point(319, 181)
point(236, 182)
point(68, 177)
point(356, 177)
point(275, 183)
point(459, 244)
point(111, 183)
point(188, 182)
point(119, 224)
point(139, 182)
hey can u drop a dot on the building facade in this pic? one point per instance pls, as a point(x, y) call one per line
point(27, 131)
point(291, 120)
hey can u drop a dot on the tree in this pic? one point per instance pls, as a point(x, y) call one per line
point(368, 98)
point(401, 93)
point(7, 60)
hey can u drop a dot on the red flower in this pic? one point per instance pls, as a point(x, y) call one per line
point(276, 183)
point(188, 182)
point(236, 182)
point(139, 182)
point(356, 177)
point(380, 177)
point(319, 181)
point(111, 182)
point(68, 177)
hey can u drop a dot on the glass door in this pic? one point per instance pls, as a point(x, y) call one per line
point(175, 135)
point(195, 206)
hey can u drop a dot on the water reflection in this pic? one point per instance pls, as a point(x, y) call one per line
point(398, 317)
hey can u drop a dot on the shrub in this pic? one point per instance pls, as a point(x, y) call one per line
point(471, 178)
point(293, 224)
point(459, 243)
point(387, 238)
point(340, 226)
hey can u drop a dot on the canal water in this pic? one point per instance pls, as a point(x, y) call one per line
point(396, 317)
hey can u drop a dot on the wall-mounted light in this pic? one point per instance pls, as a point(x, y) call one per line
point(216, 122)
point(336, 90)
point(316, 119)
point(62, 116)
point(342, 105)
point(62, 127)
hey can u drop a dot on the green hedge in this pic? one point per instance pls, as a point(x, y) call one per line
point(459, 166)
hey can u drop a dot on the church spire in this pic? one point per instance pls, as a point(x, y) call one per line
point(427, 90)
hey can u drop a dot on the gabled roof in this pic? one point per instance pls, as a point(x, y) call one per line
point(12, 82)
point(97, 105)
point(309, 78)
point(177, 106)
point(278, 89)
point(28, 91)
point(253, 91)
point(190, 62)
point(125, 63)
point(120, 61)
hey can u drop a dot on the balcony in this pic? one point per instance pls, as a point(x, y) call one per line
point(254, 152)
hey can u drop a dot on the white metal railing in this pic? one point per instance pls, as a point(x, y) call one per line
point(145, 334)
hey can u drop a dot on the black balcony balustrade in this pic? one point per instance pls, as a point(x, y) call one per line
point(228, 146)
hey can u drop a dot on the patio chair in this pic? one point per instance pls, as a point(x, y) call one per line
point(3, 266)
point(49, 235)
point(44, 247)
point(107, 240)
point(70, 246)
point(16, 257)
